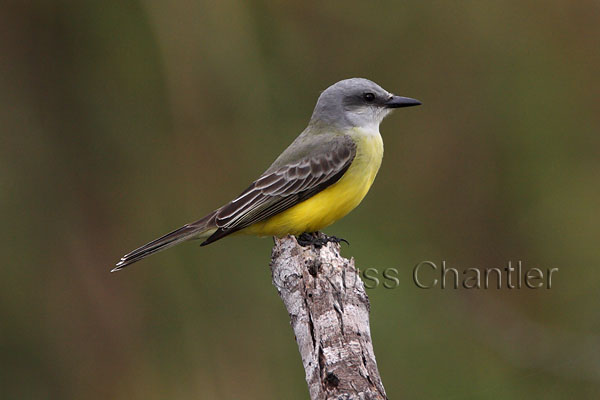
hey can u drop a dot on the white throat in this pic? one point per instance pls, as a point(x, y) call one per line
point(367, 119)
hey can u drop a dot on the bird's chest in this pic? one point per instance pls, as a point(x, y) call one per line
point(364, 168)
point(370, 151)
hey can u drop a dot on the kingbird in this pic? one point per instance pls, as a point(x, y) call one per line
point(322, 176)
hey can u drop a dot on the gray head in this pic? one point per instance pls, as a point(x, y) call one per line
point(357, 102)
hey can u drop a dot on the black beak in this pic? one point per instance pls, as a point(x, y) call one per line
point(399, 101)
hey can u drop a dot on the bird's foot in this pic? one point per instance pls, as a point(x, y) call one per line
point(336, 239)
point(318, 240)
point(306, 239)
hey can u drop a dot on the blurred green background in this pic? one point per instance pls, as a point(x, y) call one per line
point(122, 120)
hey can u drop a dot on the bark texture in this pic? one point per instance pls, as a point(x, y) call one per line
point(329, 312)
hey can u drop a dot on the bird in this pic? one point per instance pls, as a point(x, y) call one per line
point(318, 179)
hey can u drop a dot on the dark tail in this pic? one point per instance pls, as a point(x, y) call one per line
point(196, 230)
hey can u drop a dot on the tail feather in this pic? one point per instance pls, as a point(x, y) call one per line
point(199, 229)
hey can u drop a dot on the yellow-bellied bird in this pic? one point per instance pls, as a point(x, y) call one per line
point(318, 179)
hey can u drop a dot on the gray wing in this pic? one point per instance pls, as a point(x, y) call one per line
point(284, 185)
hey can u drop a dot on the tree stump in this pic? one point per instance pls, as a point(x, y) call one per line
point(329, 312)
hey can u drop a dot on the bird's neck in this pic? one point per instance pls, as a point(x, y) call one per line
point(370, 130)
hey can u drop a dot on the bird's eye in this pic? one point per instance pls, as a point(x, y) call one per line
point(368, 97)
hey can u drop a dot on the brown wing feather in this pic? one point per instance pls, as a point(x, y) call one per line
point(276, 191)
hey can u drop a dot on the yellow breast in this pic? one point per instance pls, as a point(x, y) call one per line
point(326, 207)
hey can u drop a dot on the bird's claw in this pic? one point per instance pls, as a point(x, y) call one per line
point(318, 241)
